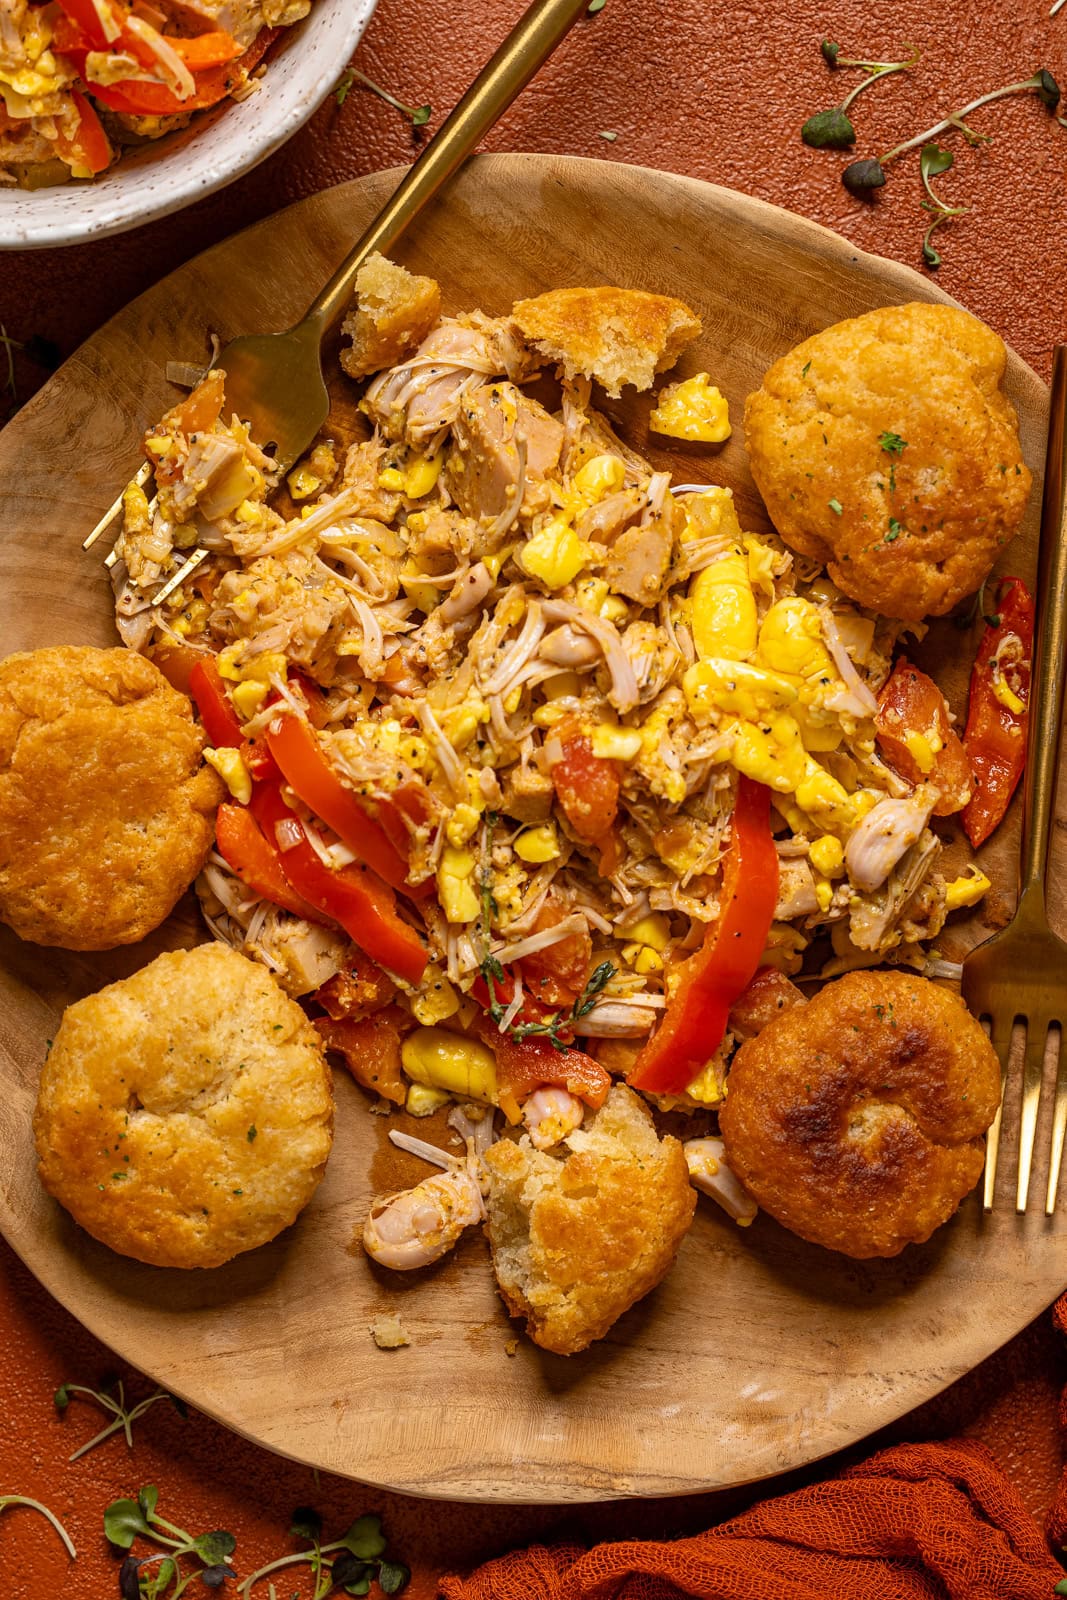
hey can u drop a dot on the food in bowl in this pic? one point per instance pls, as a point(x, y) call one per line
point(81, 80)
point(185, 1114)
point(544, 773)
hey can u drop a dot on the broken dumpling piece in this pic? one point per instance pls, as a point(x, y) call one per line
point(580, 1233)
point(885, 448)
point(616, 336)
point(391, 314)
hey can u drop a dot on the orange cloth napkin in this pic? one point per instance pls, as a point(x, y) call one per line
point(916, 1522)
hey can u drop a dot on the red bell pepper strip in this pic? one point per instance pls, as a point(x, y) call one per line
point(995, 736)
point(213, 703)
point(712, 978)
point(354, 897)
point(138, 98)
point(257, 861)
point(307, 771)
point(85, 27)
point(88, 146)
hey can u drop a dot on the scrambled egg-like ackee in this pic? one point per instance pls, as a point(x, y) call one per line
point(543, 668)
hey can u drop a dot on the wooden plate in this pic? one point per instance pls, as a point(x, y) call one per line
point(760, 1352)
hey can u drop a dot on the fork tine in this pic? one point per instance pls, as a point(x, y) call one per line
point(1033, 1069)
point(140, 478)
point(1000, 1038)
point(1059, 1130)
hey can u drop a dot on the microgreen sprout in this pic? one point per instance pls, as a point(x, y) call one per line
point(598, 5)
point(416, 115)
point(35, 1505)
point(127, 1520)
point(932, 163)
point(350, 1563)
point(123, 1417)
point(833, 129)
point(870, 173)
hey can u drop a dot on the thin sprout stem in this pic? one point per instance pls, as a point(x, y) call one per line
point(875, 77)
point(35, 1505)
point(1056, 6)
point(954, 119)
point(98, 1438)
point(376, 88)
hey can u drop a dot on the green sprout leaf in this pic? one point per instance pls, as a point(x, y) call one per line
point(933, 161)
point(148, 1499)
point(365, 1538)
point(829, 130)
point(306, 1524)
point(61, 1398)
point(124, 1521)
point(392, 1576)
point(214, 1548)
point(830, 52)
point(859, 177)
point(1048, 90)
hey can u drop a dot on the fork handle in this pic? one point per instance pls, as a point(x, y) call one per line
point(1050, 646)
point(525, 49)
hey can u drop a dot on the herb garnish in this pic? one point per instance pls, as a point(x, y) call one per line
point(550, 1026)
point(416, 115)
point(127, 1520)
point(833, 129)
point(359, 1558)
point(836, 507)
point(35, 1505)
point(124, 1417)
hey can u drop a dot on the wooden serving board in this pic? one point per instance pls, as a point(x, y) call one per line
point(760, 1352)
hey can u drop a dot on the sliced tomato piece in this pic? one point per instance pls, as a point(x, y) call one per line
point(523, 1065)
point(356, 990)
point(557, 974)
point(136, 98)
point(587, 787)
point(212, 49)
point(918, 740)
point(371, 1049)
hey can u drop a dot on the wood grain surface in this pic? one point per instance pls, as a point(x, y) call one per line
point(760, 1352)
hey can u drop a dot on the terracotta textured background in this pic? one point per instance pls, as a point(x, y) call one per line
point(717, 91)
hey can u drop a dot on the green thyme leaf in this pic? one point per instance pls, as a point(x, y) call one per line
point(829, 130)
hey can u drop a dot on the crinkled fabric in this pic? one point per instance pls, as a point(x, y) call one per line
point(916, 1522)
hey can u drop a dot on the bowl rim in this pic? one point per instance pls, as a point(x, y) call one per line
point(106, 209)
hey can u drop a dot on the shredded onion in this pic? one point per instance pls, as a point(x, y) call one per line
point(289, 832)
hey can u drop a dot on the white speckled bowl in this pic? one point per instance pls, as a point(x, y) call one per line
point(217, 147)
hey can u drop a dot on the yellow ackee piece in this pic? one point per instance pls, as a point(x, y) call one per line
point(1005, 693)
point(538, 845)
point(454, 888)
point(391, 478)
point(692, 409)
point(647, 960)
point(824, 893)
point(723, 609)
point(436, 999)
point(247, 698)
point(772, 753)
point(711, 515)
point(653, 930)
point(718, 684)
point(422, 594)
point(791, 641)
point(135, 506)
point(421, 474)
point(612, 743)
point(593, 594)
point(460, 723)
point(706, 1087)
point(231, 769)
point(462, 824)
point(448, 1061)
point(159, 445)
point(923, 748)
point(761, 563)
point(423, 1102)
point(966, 890)
point(556, 555)
point(827, 855)
point(303, 481)
point(261, 668)
point(601, 476)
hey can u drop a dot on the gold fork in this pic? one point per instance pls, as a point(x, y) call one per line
point(1020, 974)
point(274, 381)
